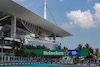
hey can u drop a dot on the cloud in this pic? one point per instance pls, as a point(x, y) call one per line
point(83, 19)
point(97, 13)
point(20, 0)
point(61, 0)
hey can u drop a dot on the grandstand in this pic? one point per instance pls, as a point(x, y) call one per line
point(16, 22)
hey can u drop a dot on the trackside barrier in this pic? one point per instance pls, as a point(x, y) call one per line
point(15, 60)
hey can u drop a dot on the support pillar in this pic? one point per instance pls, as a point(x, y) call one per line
point(54, 37)
point(13, 27)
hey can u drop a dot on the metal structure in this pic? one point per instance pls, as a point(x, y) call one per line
point(45, 15)
point(17, 21)
point(22, 13)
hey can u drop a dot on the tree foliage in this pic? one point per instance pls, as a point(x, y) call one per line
point(65, 48)
point(22, 53)
point(96, 52)
point(87, 46)
point(79, 46)
point(34, 47)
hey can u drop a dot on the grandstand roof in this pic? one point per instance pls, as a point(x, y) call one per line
point(21, 12)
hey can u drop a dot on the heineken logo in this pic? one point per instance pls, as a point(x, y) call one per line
point(52, 53)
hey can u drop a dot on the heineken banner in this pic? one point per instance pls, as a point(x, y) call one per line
point(60, 52)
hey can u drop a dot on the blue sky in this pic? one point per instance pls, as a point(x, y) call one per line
point(79, 17)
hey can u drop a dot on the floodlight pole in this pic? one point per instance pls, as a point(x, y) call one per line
point(45, 13)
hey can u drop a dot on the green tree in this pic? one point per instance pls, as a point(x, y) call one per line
point(80, 46)
point(87, 46)
point(32, 54)
point(21, 44)
point(13, 46)
point(84, 48)
point(7, 53)
point(2, 39)
point(20, 52)
point(99, 55)
point(38, 47)
point(65, 48)
point(17, 52)
point(96, 51)
point(43, 47)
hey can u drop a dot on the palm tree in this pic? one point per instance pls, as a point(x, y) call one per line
point(96, 51)
point(2, 38)
point(65, 48)
point(38, 47)
point(87, 46)
point(99, 55)
point(32, 54)
point(80, 46)
point(13, 46)
point(21, 44)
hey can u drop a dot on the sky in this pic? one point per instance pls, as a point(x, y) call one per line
point(81, 18)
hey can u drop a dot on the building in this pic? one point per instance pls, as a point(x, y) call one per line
point(16, 22)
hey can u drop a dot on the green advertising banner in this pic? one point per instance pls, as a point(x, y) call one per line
point(60, 52)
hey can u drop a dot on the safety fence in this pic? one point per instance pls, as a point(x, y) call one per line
point(12, 59)
point(15, 60)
